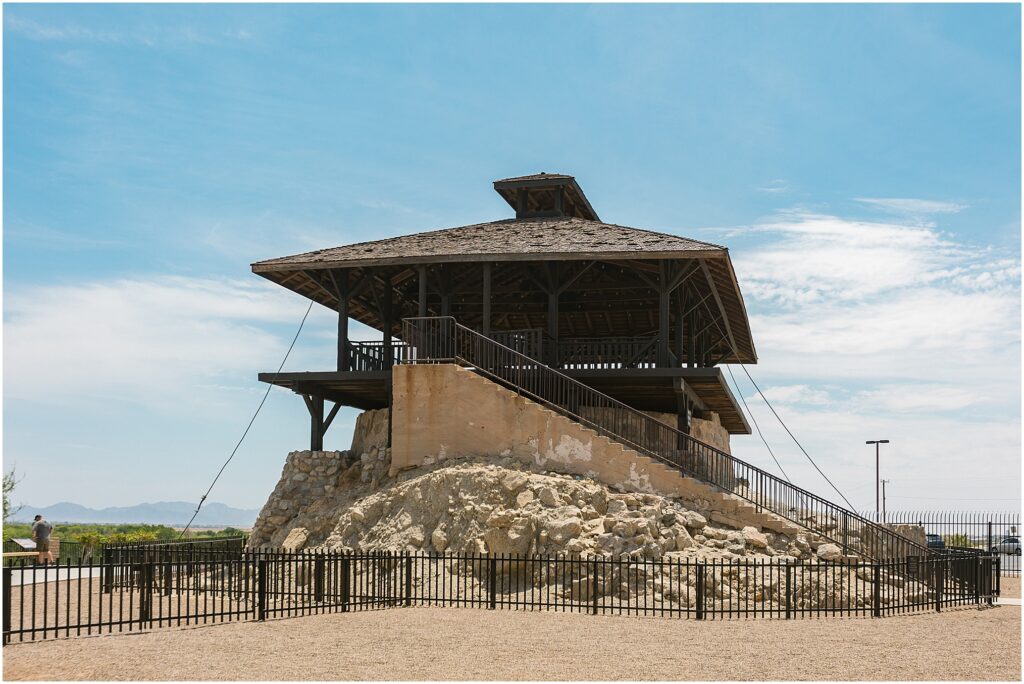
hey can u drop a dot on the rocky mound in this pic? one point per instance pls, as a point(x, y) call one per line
point(337, 501)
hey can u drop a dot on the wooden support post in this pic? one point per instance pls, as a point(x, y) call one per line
point(552, 320)
point(663, 315)
point(316, 422)
point(680, 330)
point(387, 322)
point(691, 343)
point(422, 303)
point(341, 282)
point(445, 279)
point(683, 413)
point(485, 324)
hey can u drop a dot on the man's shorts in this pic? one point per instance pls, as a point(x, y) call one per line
point(43, 545)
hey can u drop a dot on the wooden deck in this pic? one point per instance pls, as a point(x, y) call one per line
point(647, 389)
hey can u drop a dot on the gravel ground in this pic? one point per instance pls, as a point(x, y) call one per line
point(461, 644)
point(1009, 587)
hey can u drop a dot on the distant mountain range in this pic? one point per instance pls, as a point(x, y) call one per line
point(160, 513)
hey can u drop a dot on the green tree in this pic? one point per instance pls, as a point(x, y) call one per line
point(10, 482)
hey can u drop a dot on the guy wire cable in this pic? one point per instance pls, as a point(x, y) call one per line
point(252, 420)
point(788, 431)
point(756, 426)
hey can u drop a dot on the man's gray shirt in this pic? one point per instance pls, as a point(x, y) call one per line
point(41, 529)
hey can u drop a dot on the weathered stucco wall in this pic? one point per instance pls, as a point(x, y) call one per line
point(710, 431)
point(444, 411)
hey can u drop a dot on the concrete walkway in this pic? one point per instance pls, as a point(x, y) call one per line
point(39, 573)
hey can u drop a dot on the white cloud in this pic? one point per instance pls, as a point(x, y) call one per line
point(909, 206)
point(794, 394)
point(149, 35)
point(151, 340)
point(775, 186)
point(885, 329)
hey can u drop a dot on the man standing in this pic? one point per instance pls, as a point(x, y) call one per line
point(41, 536)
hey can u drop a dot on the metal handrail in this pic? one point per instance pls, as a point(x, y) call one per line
point(443, 340)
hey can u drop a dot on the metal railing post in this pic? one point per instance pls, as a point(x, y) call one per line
point(492, 581)
point(593, 587)
point(261, 589)
point(146, 595)
point(345, 580)
point(8, 572)
point(940, 570)
point(168, 574)
point(700, 590)
point(977, 581)
point(408, 579)
point(107, 571)
point(789, 591)
point(989, 536)
point(318, 578)
point(876, 590)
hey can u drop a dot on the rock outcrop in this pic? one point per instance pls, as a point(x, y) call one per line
point(338, 500)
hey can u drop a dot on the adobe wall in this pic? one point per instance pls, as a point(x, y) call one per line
point(709, 430)
point(443, 411)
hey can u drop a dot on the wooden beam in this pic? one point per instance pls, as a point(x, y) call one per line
point(421, 310)
point(663, 315)
point(319, 286)
point(341, 287)
point(387, 323)
point(330, 416)
point(485, 323)
point(718, 300)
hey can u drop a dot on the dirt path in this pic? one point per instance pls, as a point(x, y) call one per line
point(448, 643)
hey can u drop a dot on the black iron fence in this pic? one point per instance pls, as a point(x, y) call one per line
point(149, 589)
point(79, 552)
point(443, 340)
point(995, 532)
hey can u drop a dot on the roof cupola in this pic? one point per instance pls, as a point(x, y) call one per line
point(545, 194)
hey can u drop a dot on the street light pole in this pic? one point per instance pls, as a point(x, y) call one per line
point(876, 442)
point(884, 482)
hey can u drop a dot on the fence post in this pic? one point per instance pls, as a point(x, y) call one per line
point(999, 574)
point(789, 591)
point(318, 578)
point(345, 580)
point(700, 590)
point(593, 588)
point(977, 580)
point(168, 574)
point(989, 548)
point(146, 594)
point(876, 590)
point(107, 571)
point(261, 589)
point(8, 571)
point(940, 570)
point(408, 579)
point(492, 580)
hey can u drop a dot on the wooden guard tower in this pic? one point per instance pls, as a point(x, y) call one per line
point(643, 317)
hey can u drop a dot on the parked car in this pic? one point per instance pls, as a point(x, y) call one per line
point(935, 541)
point(1008, 545)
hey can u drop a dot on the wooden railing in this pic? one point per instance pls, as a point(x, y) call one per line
point(584, 353)
point(369, 356)
point(527, 341)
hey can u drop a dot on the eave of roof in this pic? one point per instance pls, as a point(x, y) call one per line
point(530, 239)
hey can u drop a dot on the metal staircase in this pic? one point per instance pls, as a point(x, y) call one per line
point(443, 340)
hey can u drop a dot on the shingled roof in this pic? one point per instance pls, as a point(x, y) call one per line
point(551, 238)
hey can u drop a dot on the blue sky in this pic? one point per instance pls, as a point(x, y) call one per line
point(861, 162)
